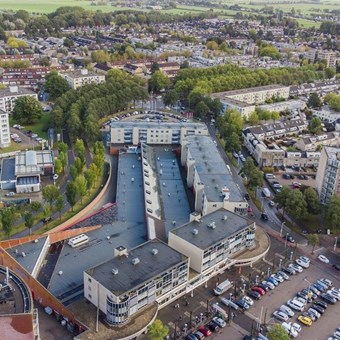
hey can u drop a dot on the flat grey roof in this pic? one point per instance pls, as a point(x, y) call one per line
point(212, 170)
point(250, 90)
point(130, 194)
point(74, 261)
point(224, 98)
point(33, 162)
point(31, 250)
point(157, 125)
point(21, 92)
point(132, 275)
point(173, 196)
point(7, 170)
point(207, 236)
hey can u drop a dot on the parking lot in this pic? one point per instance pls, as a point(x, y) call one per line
point(191, 307)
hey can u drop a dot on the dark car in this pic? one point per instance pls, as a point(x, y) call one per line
point(47, 219)
point(288, 270)
point(248, 337)
point(336, 266)
point(321, 303)
point(254, 295)
point(304, 296)
point(286, 176)
point(264, 216)
point(264, 287)
point(247, 197)
point(212, 326)
point(318, 308)
point(328, 298)
point(191, 337)
point(242, 304)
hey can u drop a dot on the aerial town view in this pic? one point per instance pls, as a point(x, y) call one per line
point(169, 170)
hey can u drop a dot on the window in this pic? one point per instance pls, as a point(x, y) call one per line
point(89, 279)
point(89, 287)
point(90, 296)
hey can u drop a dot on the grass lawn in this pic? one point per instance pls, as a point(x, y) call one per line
point(308, 23)
point(40, 127)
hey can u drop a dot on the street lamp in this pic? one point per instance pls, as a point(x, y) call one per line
point(268, 271)
point(286, 240)
point(291, 256)
point(335, 243)
point(282, 224)
point(256, 279)
point(309, 284)
point(280, 263)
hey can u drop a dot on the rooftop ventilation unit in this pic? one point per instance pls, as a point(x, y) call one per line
point(212, 225)
point(114, 271)
point(154, 251)
point(194, 231)
point(23, 254)
point(135, 261)
point(225, 217)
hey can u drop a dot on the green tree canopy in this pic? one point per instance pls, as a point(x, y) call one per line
point(277, 332)
point(50, 194)
point(333, 213)
point(313, 240)
point(333, 100)
point(314, 100)
point(159, 81)
point(55, 85)
point(81, 185)
point(315, 125)
point(27, 110)
point(29, 220)
point(312, 200)
point(157, 330)
point(71, 194)
point(7, 218)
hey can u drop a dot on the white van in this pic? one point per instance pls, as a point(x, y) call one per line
point(269, 176)
point(223, 287)
point(296, 305)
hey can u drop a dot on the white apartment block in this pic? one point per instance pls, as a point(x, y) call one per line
point(9, 95)
point(213, 240)
point(5, 139)
point(83, 77)
point(244, 100)
point(327, 176)
point(151, 273)
point(136, 133)
point(209, 177)
point(312, 143)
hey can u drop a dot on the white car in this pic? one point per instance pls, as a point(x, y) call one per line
point(277, 277)
point(295, 325)
point(219, 322)
point(305, 259)
point(269, 284)
point(280, 315)
point(296, 267)
point(334, 293)
point(290, 329)
point(323, 258)
point(336, 334)
point(55, 177)
point(302, 300)
point(329, 283)
point(285, 309)
point(248, 300)
point(10, 194)
point(302, 263)
point(235, 154)
point(314, 312)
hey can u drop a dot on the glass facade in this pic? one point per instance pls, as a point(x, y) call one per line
point(117, 313)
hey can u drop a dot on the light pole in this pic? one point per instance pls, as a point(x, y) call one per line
point(280, 263)
point(256, 279)
point(286, 240)
point(268, 271)
point(335, 243)
point(291, 256)
point(281, 230)
point(309, 284)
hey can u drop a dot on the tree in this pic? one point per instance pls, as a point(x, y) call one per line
point(50, 194)
point(254, 175)
point(277, 332)
point(269, 51)
point(330, 72)
point(8, 216)
point(81, 185)
point(27, 110)
point(80, 149)
point(79, 165)
point(29, 220)
point(60, 204)
point(315, 125)
point(44, 61)
point(201, 109)
point(157, 330)
point(313, 240)
point(296, 205)
point(58, 166)
point(282, 197)
point(333, 213)
point(253, 118)
point(170, 97)
point(314, 100)
point(159, 81)
point(55, 85)
point(333, 100)
point(35, 206)
point(312, 200)
point(46, 210)
point(90, 177)
point(154, 67)
point(16, 43)
point(73, 172)
point(71, 194)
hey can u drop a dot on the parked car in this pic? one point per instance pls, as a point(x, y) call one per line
point(314, 290)
point(254, 295)
point(296, 267)
point(285, 309)
point(334, 293)
point(248, 300)
point(315, 312)
point(318, 308)
point(199, 335)
point(242, 304)
point(258, 290)
point(328, 298)
point(273, 281)
point(321, 304)
point(289, 270)
point(277, 277)
point(305, 320)
point(281, 316)
point(55, 177)
point(191, 337)
point(271, 203)
point(301, 263)
point(212, 326)
point(336, 266)
point(10, 194)
point(264, 216)
point(295, 325)
point(269, 284)
point(327, 282)
point(319, 287)
point(283, 274)
point(264, 287)
point(290, 329)
point(310, 315)
point(205, 331)
point(305, 259)
point(246, 196)
point(219, 322)
point(323, 258)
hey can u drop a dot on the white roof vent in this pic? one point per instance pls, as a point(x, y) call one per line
point(23, 254)
point(154, 251)
point(194, 231)
point(114, 271)
point(225, 217)
point(36, 240)
point(135, 261)
point(212, 225)
point(60, 272)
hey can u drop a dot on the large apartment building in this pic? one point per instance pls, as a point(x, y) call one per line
point(82, 77)
point(132, 280)
point(5, 139)
point(328, 174)
point(245, 100)
point(9, 95)
point(210, 241)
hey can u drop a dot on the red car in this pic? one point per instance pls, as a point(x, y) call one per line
point(205, 331)
point(259, 290)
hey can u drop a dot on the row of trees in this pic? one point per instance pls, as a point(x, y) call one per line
point(80, 110)
point(231, 77)
point(333, 101)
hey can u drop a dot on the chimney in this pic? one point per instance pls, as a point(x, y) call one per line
point(120, 251)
